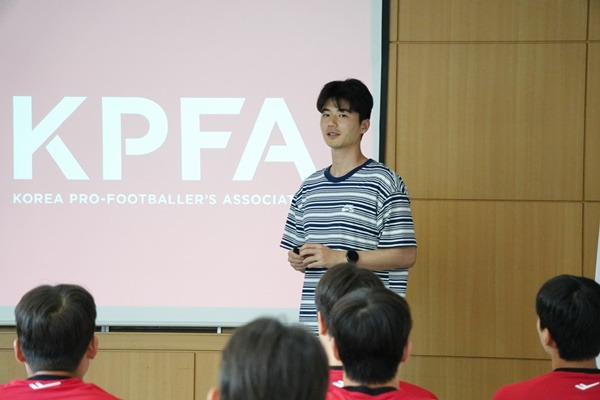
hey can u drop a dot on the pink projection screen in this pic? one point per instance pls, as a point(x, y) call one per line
point(150, 149)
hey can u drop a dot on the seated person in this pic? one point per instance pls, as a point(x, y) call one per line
point(265, 360)
point(335, 283)
point(568, 309)
point(370, 330)
point(56, 342)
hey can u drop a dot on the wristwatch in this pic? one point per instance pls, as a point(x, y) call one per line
point(352, 256)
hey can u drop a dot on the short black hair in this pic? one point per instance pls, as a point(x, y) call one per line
point(371, 329)
point(353, 91)
point(569, 307)
point(55, 325)
point(265, 359)
point(339, 281)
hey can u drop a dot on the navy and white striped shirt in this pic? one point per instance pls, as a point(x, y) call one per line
point(366, 209)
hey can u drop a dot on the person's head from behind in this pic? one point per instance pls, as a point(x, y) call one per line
point(568, 307)
point(337, 282)
point(351, 94)
point(370, 328)
point(265, 359)
point(55, 328)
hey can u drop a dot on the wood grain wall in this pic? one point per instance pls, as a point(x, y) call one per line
point(494, 123)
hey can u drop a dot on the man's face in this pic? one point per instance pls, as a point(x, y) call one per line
point(340, 127)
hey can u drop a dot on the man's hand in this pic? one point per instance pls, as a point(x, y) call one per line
point(316, 255)
point(296, 261)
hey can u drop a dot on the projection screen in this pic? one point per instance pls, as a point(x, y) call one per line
point(150, 149)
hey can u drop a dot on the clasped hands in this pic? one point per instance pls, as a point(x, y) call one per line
point(315, 255)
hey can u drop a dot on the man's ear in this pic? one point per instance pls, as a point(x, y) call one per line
point(407, 350)
point(364, 125)
point(547, 339)
point(321, 323)
point(92, 349)
point(18, 351)
point(213, 394)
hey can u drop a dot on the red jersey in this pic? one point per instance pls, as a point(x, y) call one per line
point(53, 389)
point(336, 379)
point(560, 384)
point(364, 393)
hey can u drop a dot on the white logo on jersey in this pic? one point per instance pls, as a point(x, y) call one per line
point(581, 386)
point(339, 383)
point(39, 385)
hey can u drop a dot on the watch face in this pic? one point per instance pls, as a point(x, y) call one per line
point(352, 256)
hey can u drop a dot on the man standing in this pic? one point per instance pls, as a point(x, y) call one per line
point(356, 210)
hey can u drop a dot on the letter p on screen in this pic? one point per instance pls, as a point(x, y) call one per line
point(113, 108)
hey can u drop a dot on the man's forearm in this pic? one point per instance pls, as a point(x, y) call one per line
point(392, 258)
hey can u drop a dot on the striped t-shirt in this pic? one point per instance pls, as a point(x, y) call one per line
point(366, 209)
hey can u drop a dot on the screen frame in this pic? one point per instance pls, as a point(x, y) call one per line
point(208, 317)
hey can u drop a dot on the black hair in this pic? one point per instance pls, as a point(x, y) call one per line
point(371, 329)
point(351, 90)
point(55, 325)
point(340, 280)
point(569, 307)
point(266, 360)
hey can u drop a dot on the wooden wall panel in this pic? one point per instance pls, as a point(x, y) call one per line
point(592, 129)
point(162, 341)
point(391, 117)
point(591, 226)
point(594, 20)
point(393, 20)
point(492, 20)
point(142, 375)
point(468, 378)
point(491, 121)
point(10, 368)
point(479, 267)
point(206, 350)
point(207, 372)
